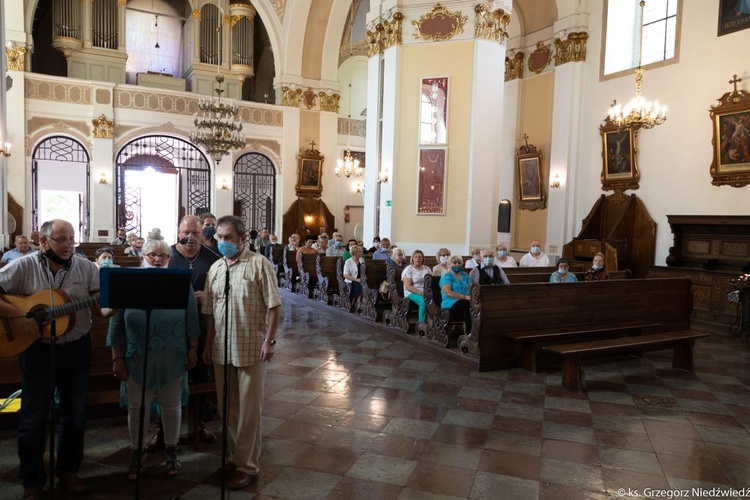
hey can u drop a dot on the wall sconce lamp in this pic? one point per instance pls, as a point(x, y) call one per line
point(384, 175)
point(103, 180)
point(555, 183)
point(224, 184)
point(359, 188)
point(5, 149)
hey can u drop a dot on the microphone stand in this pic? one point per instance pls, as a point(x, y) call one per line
point(52, 384)
point(225, 386)
point(142, 414)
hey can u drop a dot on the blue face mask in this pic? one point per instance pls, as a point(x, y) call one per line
point(596, 267)
point(487, 261)
point(535, 249)
point(338, 244)
point(456, 269)
point(106, 263)
point(228, 249)
point(501, 253)
point(209, 232)
point(562, 270)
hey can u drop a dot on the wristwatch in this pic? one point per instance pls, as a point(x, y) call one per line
point(271, 342)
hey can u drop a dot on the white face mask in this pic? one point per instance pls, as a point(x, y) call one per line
point(145, 264)
point(444, 259)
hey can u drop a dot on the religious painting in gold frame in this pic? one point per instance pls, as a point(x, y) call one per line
point(530, 185)
point(310, 172)
point(731, 138)
point(619, 158)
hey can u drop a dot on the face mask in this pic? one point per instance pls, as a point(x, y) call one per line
point(338, 244)
point(501, 253)
point(596, 267)
point(443, 259)
point(562, 270)
point(456, 269)
point(145, 264)
point(209, 232)
point(106, 263)
point(477, 257)
point(51, 255)
point(486, 261)
point(228, 249)
point(535, 249)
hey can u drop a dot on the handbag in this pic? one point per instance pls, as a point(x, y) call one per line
point(384, 289)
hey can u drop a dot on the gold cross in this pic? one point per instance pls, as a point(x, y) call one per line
point(735, 81)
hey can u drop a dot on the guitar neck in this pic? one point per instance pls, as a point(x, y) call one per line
point(69, 307)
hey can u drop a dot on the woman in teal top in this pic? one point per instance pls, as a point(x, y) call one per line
point(454, 288)
point(563, 274)
point(172, 349)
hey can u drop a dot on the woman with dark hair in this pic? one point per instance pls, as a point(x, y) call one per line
point(563, 274)
point(104, 257)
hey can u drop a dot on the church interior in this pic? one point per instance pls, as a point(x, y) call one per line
point(611, 126)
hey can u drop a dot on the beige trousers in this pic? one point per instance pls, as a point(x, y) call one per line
point(245, 406)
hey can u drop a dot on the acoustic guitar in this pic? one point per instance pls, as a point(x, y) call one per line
point(60, 311)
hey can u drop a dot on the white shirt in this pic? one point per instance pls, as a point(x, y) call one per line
point(471, 263)
point(529, 260)
point(509, 262)
point(351, 267)
point(417, 277)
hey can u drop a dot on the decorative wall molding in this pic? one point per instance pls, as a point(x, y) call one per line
point(386, 33)
point(329, 102)
point(540, 58)
point(440, 24)
point(45, 90)
point(572, 49)
point(514, 67)
point(46, 127)
point(103, 96)
point(307, 98)
point(347, 126)
point(491, 24)
point(269, 144)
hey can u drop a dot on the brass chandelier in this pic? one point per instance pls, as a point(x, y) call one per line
point(349, 165)
point(217, 125)
point(638, 113)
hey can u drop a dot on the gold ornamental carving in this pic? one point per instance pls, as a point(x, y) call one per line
point(329, 102)
point(309, 99)
point(572, 49)
point(514, 67)
point(15, 57)
point(103, 128)
point(384, 34)
point(540, 58)
point(290, 97)
point(439, 24)
point(492, 25)
point(197, 14)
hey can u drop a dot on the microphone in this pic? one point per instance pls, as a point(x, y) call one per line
point(183, 241)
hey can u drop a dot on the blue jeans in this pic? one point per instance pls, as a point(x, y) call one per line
point(73, 362)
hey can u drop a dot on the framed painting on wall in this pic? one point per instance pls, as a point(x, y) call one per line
point(310, 172)
point(530, 187)
point(431, 186)
point(620, 165)
point(731, 138)
point(734, 15)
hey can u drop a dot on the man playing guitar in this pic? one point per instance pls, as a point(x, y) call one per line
point(54, 268)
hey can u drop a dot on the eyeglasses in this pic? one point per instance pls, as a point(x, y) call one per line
point(63, 241)
point(154, 256)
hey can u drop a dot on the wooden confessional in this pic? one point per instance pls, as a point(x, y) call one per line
point(308, 215)
point(620, 227)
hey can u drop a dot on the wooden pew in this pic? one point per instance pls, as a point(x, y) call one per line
point(519, 278)
point(342, 298)
point(291, 273)
point(510, 323)
point(435, 328)
point(308, 277)
point(398, 316)
point(681, 341)
point(373, 274)
point(277, 255)
point(328, 283)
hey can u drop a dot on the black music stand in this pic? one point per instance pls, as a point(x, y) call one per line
point(148, 289)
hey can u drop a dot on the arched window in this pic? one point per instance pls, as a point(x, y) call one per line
point(60, 174)
point(255, 191)
point(160, 179)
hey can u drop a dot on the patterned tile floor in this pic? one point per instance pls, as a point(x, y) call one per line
point(354, 411)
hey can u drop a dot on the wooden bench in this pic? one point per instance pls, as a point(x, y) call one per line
point(435, 328)
point(291, 272)
point(328, 283)
point(558, 313)
point(518, 278)
point(681, 341)
point(342, 298)
point(277, 255)
point(373, 273)
point(308, 277)
point(398, 316)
